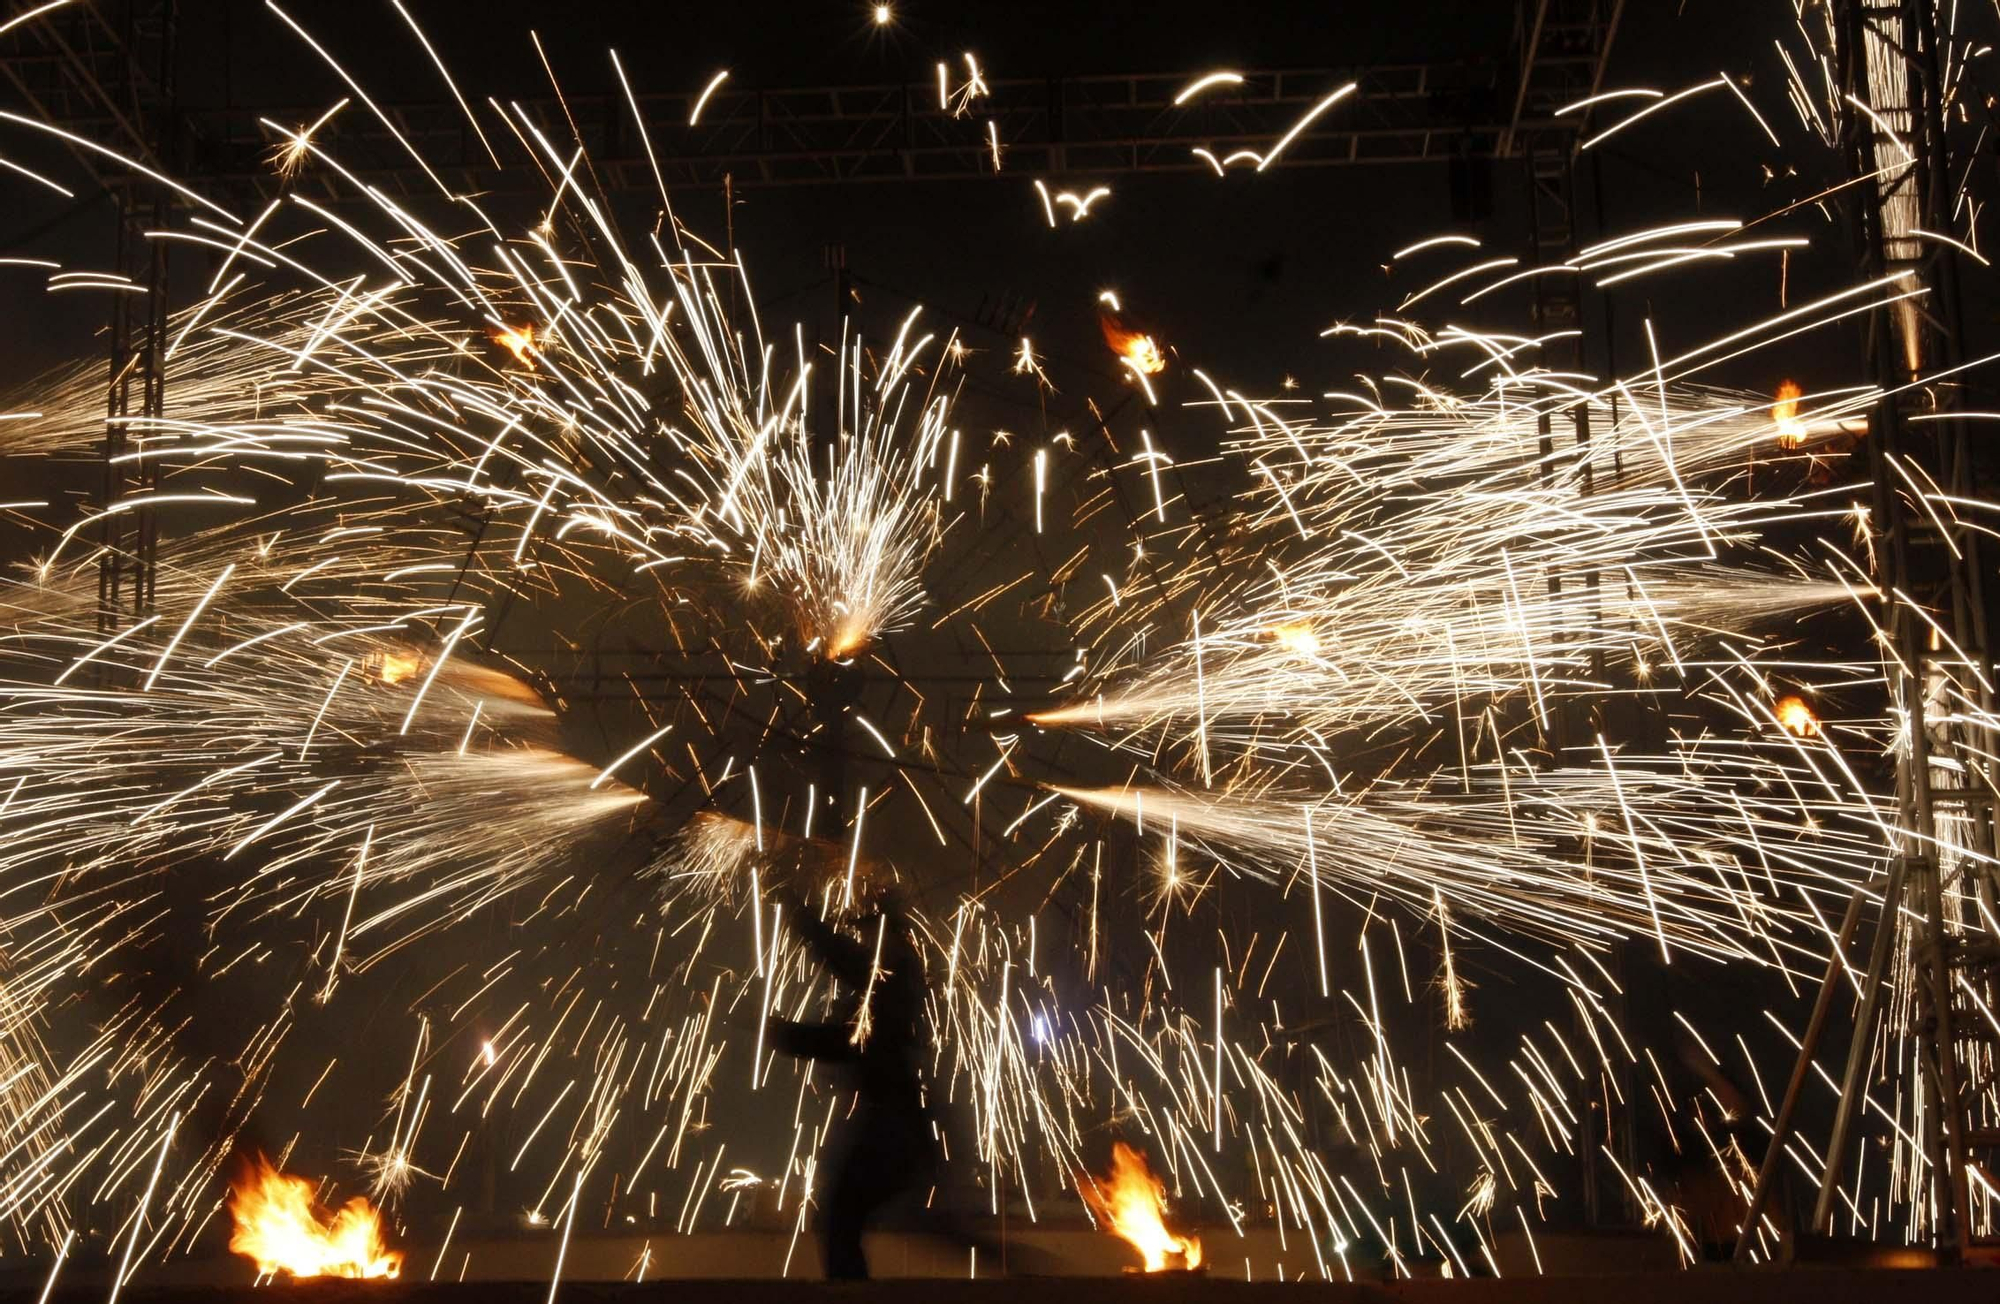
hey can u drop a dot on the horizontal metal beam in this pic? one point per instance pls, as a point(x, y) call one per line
point(1082, 127)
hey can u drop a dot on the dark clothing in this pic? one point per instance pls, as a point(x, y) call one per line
point(888, 1147)
point(887, 1152)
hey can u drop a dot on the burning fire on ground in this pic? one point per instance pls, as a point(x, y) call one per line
point(1133, 1205)
point(280, 1228)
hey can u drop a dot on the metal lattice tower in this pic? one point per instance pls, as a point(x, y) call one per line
point(117, 73)
point(1927, 995)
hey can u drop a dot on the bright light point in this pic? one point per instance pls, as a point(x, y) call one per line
point(1141, 352)
point(1785, 415)
point(1796, 717)
point(883, 15)
point(1296, 636)
point(517, 340)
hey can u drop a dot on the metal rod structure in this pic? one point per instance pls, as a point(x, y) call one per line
point(1767, 1172)
point(1934, 642)
point(1859, 1047)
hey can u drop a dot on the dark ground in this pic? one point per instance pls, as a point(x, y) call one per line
point(1713, 1286)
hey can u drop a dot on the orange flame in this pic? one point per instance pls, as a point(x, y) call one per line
point(1141, 351)
point(281, 1229)
point(1796, 716)
point(1133, 1203)
point(519, 341)
point(1785, 415)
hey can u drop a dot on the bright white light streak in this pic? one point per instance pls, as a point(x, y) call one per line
point(1201, 707)
point(1638, 850)
point(1153, 460)
point(1922, 234)
point(81, 143)
point(105, 646)
point(340, 938)
point(139, 1214)
point(1041, 484)
point(1215, 1096)
point(281, 817)
point(1474, 270)
point(62, 1252)
point(469, 117)
point(990, 770)
point(5, 28)
point(1649, 110)
point(186, 625)
point(694, 114)
point(1303, 123)
point(1319, 918)
point(874, 733)
point(1201, 84)
point(1772, 136)
point(313, 728)
point(446, 1244)
point(568, 1220)
point(1432, 243)
point(437, 664)
point(252, 641)
point(854, 850)
point(1579, 105)
point(641, 746)
point(1048, 209)
point(37, 177)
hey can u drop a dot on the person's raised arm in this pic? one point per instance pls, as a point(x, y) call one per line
point(844, 957)
point(818, 1041)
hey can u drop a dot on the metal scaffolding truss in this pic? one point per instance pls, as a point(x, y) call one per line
point(1086, 126)
point(113, 68)
point(949, 129)
point(96, 70)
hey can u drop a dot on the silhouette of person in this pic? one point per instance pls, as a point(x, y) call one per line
point(876, 1040)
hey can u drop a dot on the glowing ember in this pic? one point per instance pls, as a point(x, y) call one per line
point(1796, 716)
point(1140, 351)
point(1785, 415)
point(845, 642)
point(392, 667)
point(519, 341)
point(1297, 636)
point(1133, 1204)
point(279, 1228)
